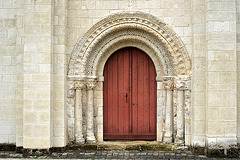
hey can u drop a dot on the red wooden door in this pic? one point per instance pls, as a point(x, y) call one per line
point(130, 96)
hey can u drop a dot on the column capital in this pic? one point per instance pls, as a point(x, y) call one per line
point(182, 83)
point(79, 85)
point(90, 85)
point(168, 85)
point(179, 85)
point(168, 82)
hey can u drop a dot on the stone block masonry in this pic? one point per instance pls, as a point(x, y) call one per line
point(37, 73)
point(47, 46)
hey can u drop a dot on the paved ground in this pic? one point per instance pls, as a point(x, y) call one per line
point(110, 155)
point(115, 150)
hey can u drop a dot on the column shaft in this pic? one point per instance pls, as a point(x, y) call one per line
point(169, 117)
point(180, 116)
point(90, 127)
point(78, 117)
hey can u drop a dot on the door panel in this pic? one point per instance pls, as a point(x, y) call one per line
point(129, 96)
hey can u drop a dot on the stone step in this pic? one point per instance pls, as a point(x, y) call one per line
point(127, 145)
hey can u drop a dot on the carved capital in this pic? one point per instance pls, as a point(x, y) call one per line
point(168, 85)
point(168, 82)
point(179, 85)
point(182, 82)
point(91, 85)
point(79, 85)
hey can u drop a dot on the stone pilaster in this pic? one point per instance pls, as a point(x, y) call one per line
point(221, 83)
point(90, 125)
point(78, 112)
point(37, 76)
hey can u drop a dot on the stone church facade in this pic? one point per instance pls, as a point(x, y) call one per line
point(53, 54)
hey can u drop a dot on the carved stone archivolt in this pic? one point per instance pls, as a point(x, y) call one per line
point(130, 25)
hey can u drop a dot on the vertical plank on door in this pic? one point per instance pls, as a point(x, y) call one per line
point(140, 93)
point(153, 98)
point(105, 100)
point(114, 94)
point(110, 96)
point(126, 68)
point(134, 103)
point(121, 103)
point(146, 93)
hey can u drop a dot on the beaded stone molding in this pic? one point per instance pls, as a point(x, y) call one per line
point(125, 29)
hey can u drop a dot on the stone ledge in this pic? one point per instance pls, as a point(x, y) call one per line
point(7, 147)
point(125, 146)
point(232, 152)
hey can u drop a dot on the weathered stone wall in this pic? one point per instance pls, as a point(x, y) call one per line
point(59, 72)
point(221, 73)
point(8, 70)
point(238, 69)
point(198, 74)
point(37, 38)
point(37, 76)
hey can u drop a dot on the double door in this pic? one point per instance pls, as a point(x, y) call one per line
point(130, 96)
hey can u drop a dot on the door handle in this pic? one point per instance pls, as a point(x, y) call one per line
point(126, 97)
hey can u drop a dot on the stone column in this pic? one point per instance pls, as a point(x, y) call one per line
point(179, 86)
point(187, 115)
point(90, 125)
point(78, 112)
point(160, 106)
point(169, 112)
point(99, 109)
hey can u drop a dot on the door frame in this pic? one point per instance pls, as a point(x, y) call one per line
point(160, 90)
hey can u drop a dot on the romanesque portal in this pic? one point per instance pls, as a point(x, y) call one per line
point(170, 81)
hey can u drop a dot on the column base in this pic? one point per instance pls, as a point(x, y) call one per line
point(179, 141)
point(91, 139)
point(168, 139)
point(80, 140)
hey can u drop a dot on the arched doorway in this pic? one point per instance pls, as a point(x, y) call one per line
point(129, 96)
point(86, 79)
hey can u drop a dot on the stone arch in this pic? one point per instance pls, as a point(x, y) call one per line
point(119, 30)
point(169, 50)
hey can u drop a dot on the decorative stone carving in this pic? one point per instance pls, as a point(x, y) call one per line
point(79, 85)
point(182, 83)
point(168, 82)
point(71, 93)
point(120, 21)
point(90, 85)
